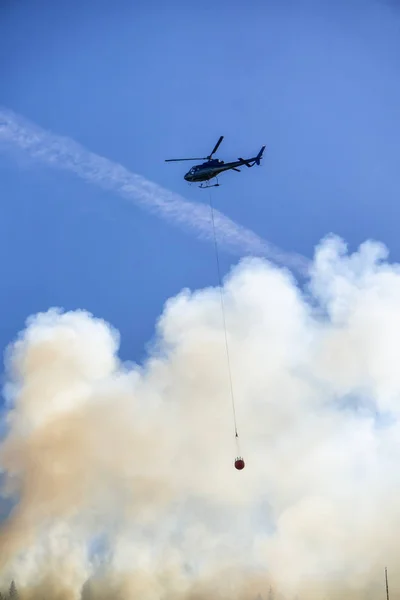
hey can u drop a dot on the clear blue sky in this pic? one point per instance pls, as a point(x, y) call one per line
point(317, 82)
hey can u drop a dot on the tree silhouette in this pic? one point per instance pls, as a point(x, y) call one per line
point(271, 593)
point(13, 593)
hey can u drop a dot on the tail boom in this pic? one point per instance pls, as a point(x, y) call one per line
point(250, 162)
point(259, 156)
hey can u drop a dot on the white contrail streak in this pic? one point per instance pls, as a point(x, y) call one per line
point(64, 153)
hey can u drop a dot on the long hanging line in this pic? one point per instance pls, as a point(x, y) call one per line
point(239, 462)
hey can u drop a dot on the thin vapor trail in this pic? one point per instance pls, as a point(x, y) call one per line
point(65, 153)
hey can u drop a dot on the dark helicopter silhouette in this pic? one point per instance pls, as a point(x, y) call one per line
point(213, 167)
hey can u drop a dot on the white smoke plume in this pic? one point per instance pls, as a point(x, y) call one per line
point(63, 153)
point(122, 475)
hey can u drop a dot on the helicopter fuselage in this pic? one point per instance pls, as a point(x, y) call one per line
point(206, 171)
point(211, 169)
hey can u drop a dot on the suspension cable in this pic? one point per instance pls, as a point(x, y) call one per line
point(224, 319)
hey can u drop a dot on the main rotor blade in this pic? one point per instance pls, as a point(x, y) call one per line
point(175, 159)
point(217, 145)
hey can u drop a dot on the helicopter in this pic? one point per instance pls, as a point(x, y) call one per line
point(213, 167)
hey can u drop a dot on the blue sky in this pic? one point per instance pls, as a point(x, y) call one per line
point(137, 82)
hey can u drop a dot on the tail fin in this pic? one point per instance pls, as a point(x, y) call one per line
point(259, 155)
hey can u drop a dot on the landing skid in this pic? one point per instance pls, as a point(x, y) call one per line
point(207, 185)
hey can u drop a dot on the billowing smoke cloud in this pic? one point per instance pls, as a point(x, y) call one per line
point(122, 475)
